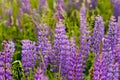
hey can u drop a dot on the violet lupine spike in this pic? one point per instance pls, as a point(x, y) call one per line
point(100, 67)
point(44, 46)
point(78, 3)
point(28, 56)
point(59, 36)
point(39, 75)
point(91, 4)
point(59, 10)
point(25, 6)
point(60, 3)
point(42, 5)
point(113, 68)
point(8, 46)
point(117, 10)
point(116, 4)
point(112, 63)
point(9, 22)
point(5, 60)
point(112, 35)
point(71, 60)
point(64, 53)
point(84, 37)
point(79, 75)
point(98, 34)
point(118, 44)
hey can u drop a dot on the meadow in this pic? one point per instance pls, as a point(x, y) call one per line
point(59, 40)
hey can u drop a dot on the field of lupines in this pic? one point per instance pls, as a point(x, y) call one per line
point(59, 40)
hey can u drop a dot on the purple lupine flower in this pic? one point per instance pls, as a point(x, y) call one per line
point(40, 75)
point(117, 10)
point(59, 37)
point(112, 35)
point(100, 67)
point(44, 46)
point(98, 34)
point(8, 46)
point(78, 3)
point(91, 4)
point(9, 22)
point(79, 75)
point(42, 5)
point(118, 44)
point(5, 60)
point(116, 4)
point(112, 64)
point(64, 55)
point(28, 56)
point(19, 23)
point(84, 37)
point(60, 3)
point(72, 60)
point(109, 47)
point(113, 68)
point(59, 10)
point(25, 6)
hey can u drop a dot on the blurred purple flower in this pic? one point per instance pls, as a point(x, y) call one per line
point(28, 56)
point(42, 5)
point(84, 37)
point(25, 6)
point(117, 10)
point(91, 4)
point(8, 46)
point(40, 75)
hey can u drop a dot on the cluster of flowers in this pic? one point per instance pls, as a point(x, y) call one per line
point(64, 57)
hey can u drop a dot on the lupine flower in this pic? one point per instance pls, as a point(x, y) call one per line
point(8, 46)
point(42, 5)
point(116, 4)
point(59, 38)
point(91, 4)
point(44, 46)
point(112, 35)
point(117, 10)
point(40, 75)
point(113, 68)
point(25, 6)
point(118, 44)
point(100, 67)
point(59, 10)
point(109, 47)
point(72, 60)
point(84, 37)
point(5, 60)
point(19, 23)
point(64, 54)
point(78, 3)
point(79, 75)
point(9, 22)
point(28, 56)
point(98, 34)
